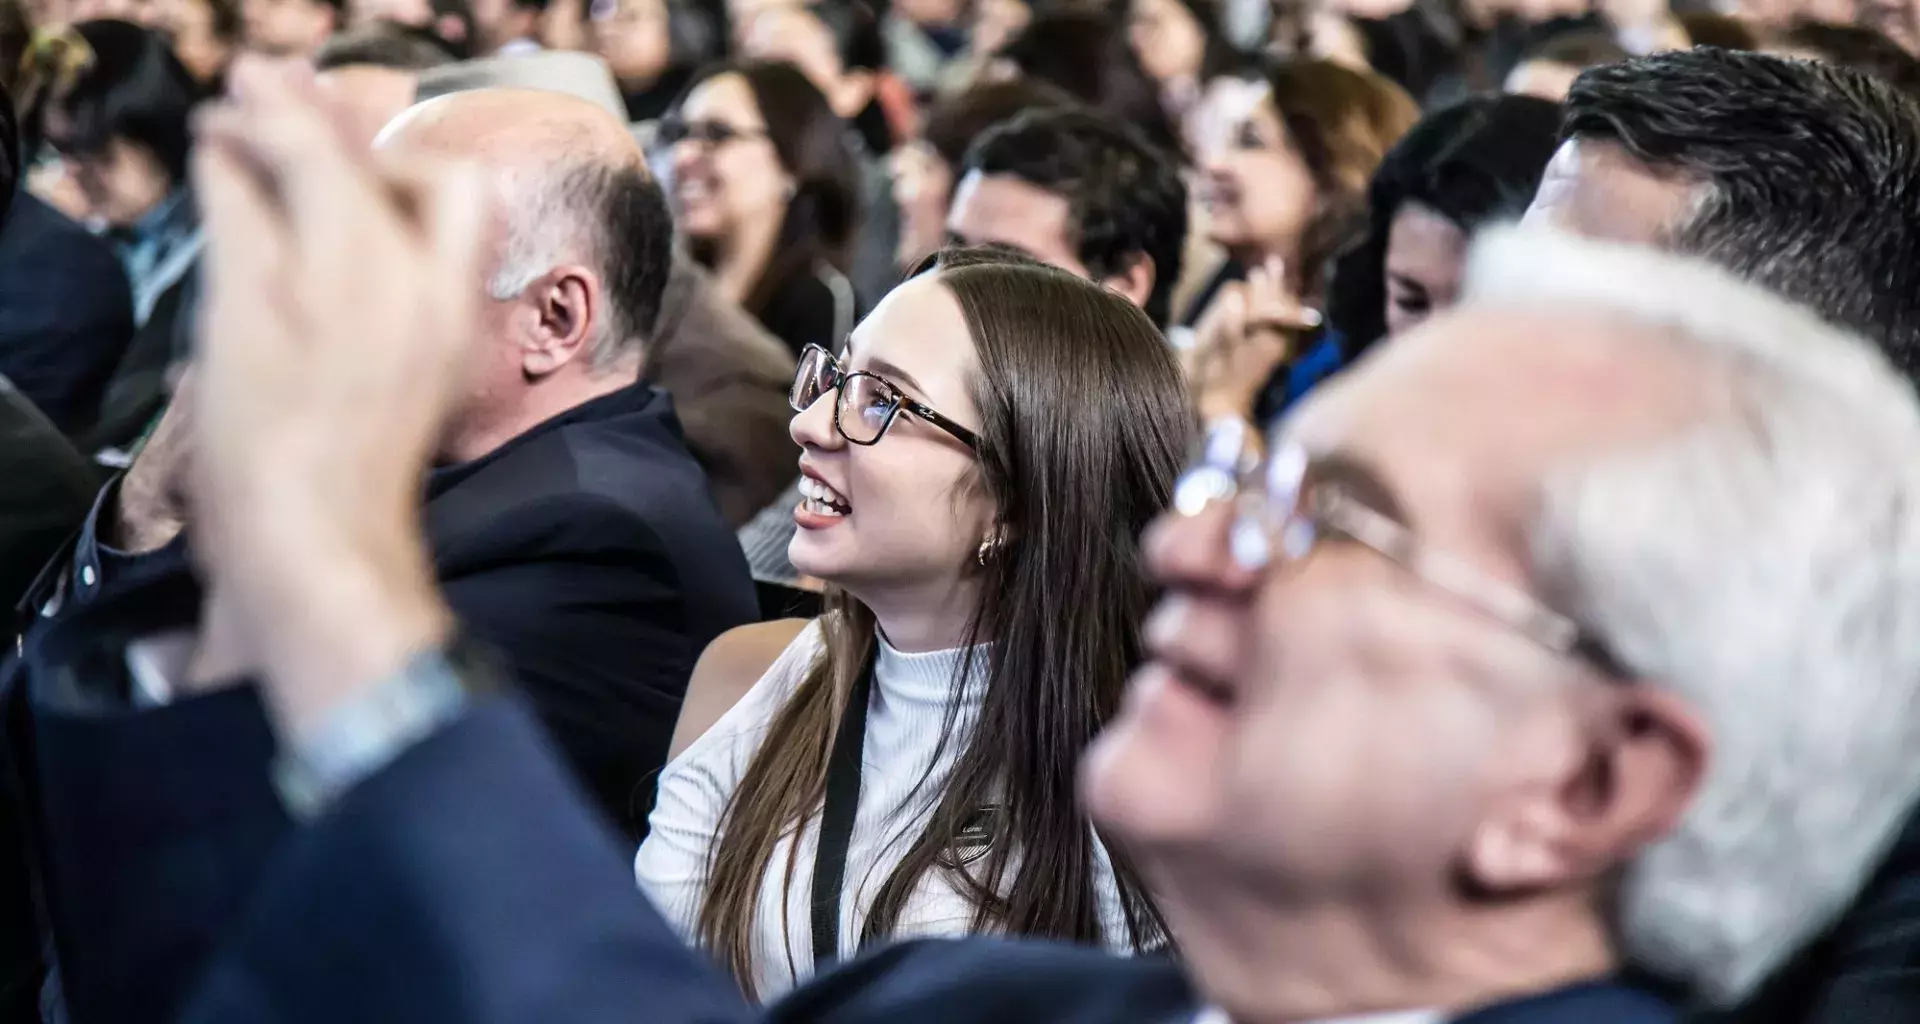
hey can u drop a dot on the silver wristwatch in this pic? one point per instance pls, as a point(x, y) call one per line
point(357, 740)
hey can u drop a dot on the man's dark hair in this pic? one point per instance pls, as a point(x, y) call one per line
point(384, 44)
point(1086, 52)
point(1126, 197)
point(134, 89)
point(1856, 47)
point(955, 122)
point(1809, 172)
point(629, 212)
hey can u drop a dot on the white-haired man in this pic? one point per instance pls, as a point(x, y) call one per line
point(1566, 635)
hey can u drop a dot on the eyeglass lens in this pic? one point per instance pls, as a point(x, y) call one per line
point(865, 403)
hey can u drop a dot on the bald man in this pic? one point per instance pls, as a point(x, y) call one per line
point(571, 529)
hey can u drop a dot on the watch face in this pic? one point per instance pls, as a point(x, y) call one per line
point(976, 835)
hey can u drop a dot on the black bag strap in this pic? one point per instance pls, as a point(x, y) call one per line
point(836, 821)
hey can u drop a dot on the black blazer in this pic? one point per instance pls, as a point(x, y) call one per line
point(66, 313)
point(397, 906)
point(587, 551)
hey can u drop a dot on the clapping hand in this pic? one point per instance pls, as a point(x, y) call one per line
point(340, 294)
point(1247, 333)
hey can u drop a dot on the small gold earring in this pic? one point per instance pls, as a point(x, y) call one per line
point(988, 548)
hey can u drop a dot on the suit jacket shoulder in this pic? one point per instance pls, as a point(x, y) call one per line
point(949, 981)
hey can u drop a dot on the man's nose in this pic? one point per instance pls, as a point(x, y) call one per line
point(1194, 551)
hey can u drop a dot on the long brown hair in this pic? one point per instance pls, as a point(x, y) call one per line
point(1343, 122)
point(1084, 421)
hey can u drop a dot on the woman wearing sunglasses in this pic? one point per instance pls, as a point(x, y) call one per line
point(766, 189)
point(978, 466)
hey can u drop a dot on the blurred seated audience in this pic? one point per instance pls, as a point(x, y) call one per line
point(1708, 28)
point(1547, 70)
point(373, 71)
point(451, 21)
point(1460, 169)
point(205, 35)
point(925, 169)
point(837, 44)
point(954, 466)
point(290, 28)
point(1181, 46)
point(653, 47)
point(1086, 52)
point(1284, 192)
point(120, 130)
point(66, 314)
point(570, 525)
point(766, 192)
point(1074, 190)
point(1684, 150)
point(1852, 46)
point(507, 28)
point(1507, 536)
point(930, 43)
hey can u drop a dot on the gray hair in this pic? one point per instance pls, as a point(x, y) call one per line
point(562, 216)
point(1764, 565)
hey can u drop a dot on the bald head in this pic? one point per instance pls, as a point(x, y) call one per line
point(575, 200)
point(512, 126)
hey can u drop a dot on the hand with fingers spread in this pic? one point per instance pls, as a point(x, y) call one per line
point(335, 286)
point(1249, 331)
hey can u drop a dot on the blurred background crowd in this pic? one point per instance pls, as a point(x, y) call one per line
point(820, 367)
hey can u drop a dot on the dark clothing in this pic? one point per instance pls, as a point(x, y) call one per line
point(816, 307)
point(729, 380)
point(875, 269)
point(466, 885)
point(142, 384)
point(652, 102)
point(586, 551)
point(45, 487)
point(1866, 969)
point(66, 313)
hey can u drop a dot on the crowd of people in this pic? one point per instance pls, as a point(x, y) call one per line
point(1162, 511)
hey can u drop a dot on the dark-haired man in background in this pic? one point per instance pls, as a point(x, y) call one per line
point(1803, 177)
point(1088, 196)
point(571, 528)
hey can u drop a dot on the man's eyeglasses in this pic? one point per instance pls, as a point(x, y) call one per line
point(671, 131)
point(866, 404)
point(1282, 516)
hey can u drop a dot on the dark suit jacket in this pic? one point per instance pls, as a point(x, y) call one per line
point(66, 314)
point(465, 885)
point(45, 488)
point(1866, 969)
point(729, 379)
point(586, 551)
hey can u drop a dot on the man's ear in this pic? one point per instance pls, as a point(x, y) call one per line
point(567, 310)
point(1622, 781)
point(1136, 281)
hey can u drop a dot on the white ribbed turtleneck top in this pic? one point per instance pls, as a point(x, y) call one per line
point(911, 694)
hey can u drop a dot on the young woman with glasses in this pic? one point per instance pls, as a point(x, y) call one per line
point(765, 187)
point(979, 464)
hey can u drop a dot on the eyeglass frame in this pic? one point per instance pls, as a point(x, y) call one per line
point(671, 123)
point(837, 379)
point(1226, 462)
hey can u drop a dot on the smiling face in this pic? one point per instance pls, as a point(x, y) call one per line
point(1257, 189)
point(906, 514)
point(1339, 732)
point(718, 186)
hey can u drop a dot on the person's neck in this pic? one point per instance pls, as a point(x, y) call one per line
point(1266, 964)
point(539, 403)
point(741, 260)
point(919, 619)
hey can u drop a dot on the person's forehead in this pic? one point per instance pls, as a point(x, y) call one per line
point(917, 328)
point(1464, 416)
point(1002, 209)
point(723, 95)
